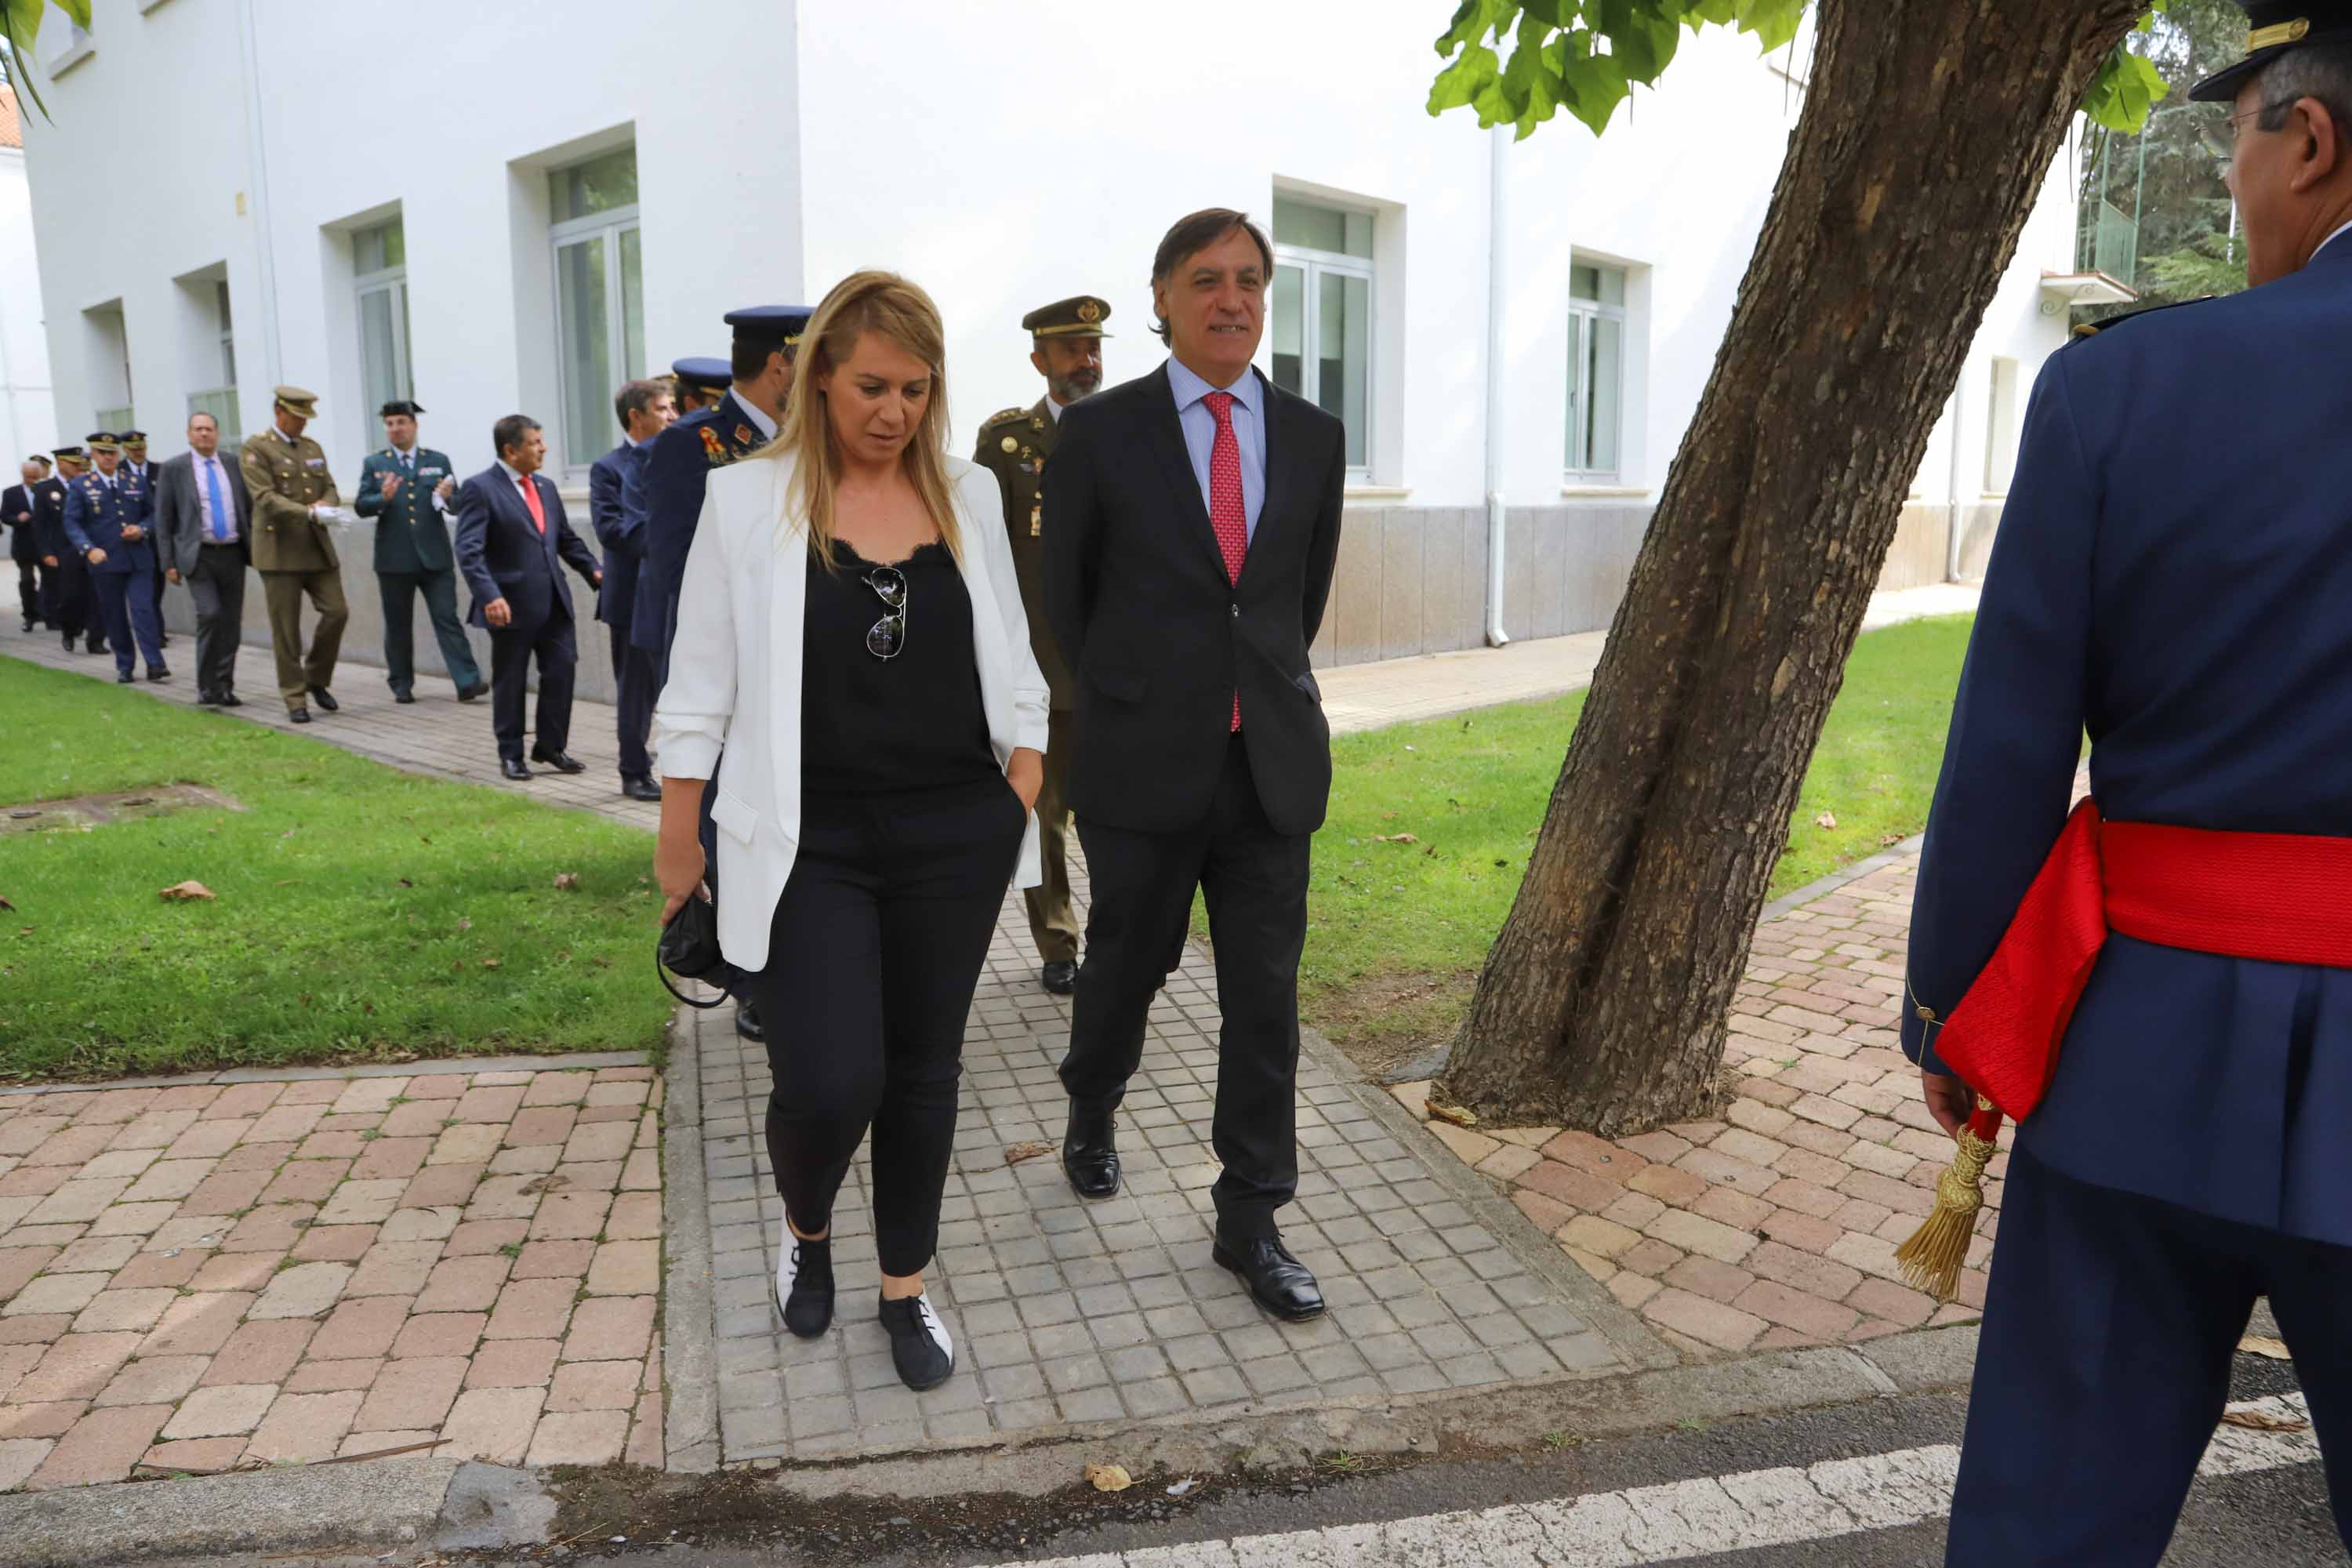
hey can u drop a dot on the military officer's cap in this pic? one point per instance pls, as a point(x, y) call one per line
point(400, 406)
point(300, 404)
point(770, 326)
point(701, 370)
point(42, 458)
point(69, 454)
point(2273, 28)
point(1081, 317)
point(133, 437)
point(104, 441)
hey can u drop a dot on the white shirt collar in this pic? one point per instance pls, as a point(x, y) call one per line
point(513, 474)
point(1053, 407)
point(758, 416)
point(2332, 238)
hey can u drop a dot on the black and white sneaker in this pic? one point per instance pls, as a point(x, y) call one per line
point(920, 1344)
point(804, 1284)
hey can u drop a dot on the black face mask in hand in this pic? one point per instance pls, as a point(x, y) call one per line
point(689, 947)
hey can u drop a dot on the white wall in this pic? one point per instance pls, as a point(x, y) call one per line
point(27, 417)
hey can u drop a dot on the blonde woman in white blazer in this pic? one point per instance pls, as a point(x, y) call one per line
point(851, 631)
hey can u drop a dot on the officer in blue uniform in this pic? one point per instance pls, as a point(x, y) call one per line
point(699, 382)
point(745, 418)
point(109, 519)
point(616, 510)
point(2170, 576)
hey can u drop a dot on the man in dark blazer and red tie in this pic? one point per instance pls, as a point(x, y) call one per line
point(1191, 520)
point(512, 542)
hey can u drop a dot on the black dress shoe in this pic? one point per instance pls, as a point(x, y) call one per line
point(208, 700)
point(1090, 1151)
point(1060, 975)
point(804, 1286)
point(122, 677)
point(98, 645)
point(298, 715)
point(231, 700)
point(159, 672)
point(512, 768)
point(558, 760)
point(747, 1022)
point(403, 697)
point(69, 642)
point(324, 698)
point(641, 788)
point(473, 693)
point(1277, 1281)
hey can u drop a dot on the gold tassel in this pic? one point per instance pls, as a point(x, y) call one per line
point(1933, 1257)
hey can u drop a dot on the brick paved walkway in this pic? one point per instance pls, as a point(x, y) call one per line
point(242, 1271)
point(1777, 1224)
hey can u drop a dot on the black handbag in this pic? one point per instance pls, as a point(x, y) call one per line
point(689, 946)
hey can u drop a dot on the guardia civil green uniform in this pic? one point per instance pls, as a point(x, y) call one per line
point(295, 553)
point(412, 556)
point(1013, 445)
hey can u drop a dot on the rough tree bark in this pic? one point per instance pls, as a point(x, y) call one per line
point(1927, 127)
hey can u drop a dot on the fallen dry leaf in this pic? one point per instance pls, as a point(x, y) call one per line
point(546, 1184)
point(2263, 1345)
point(1109, 1478)
point(1457, 1114)
point(185, 892)
point(2263, 1421)
point(1017, 1152)
point(5, 904)
point(567, 882)
point(1394, 838)
point(1826, 819)
point(490, 963)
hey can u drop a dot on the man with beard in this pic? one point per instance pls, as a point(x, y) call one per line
point(1065, 341)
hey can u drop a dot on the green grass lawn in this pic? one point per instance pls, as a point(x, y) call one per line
point(1397, 931)
point(362, 914)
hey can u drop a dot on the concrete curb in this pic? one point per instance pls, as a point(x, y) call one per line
point(690, 1351)
point(1633, 1338)
point(378, 1504)
point(582, 1062)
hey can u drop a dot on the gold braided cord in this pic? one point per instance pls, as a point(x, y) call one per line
point(2279, 33)
point(1933, 1257)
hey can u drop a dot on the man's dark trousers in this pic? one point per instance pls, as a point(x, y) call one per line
point(398, 591)
point(1254, 882)
point(217, 587)
point(633, 693)
point(511, 652)
point(30, 592)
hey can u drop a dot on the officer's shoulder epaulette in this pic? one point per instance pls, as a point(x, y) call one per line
point(1004, 416)
point(2086, 330)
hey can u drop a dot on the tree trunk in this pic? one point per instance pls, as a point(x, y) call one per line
point(1921, 152)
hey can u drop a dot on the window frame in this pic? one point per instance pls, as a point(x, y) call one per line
point(1582, 317)
point(392, 281)
point(1313, 265)
point(606, 227)
point(2003, 423)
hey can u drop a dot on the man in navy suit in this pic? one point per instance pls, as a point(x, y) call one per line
point(616, 511)
point(110, 520)
point(2181, 600)
point(513, 542)
point(767, 339)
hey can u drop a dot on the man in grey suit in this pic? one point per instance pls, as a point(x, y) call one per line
point(205, 516)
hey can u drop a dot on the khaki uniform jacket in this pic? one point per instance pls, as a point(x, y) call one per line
point(285, 478)
point(1014, 447)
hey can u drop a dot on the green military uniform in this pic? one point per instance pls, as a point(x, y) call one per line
point(294, 553)
point(1013, 445)
point(413, 554)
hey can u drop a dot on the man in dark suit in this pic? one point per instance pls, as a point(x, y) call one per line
point(746, 417)
point(136, 467)
point(616, 511)
point(513, 541)
point(17, 508)
point(67, 603)
point(203, 525)
point(1191, 519)
point(408, 488)
point(110, 523)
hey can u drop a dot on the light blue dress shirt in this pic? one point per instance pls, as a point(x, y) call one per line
point(1200, 433)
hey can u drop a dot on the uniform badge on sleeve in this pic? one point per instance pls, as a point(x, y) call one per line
point(743, 434)
point(712, 446)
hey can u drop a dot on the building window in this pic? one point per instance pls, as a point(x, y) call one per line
point(599, 294)
point(1323, 314)
point(2001, 429)
point(108, 361)
point(1596, 370)
point(220, 400)
point(379, 263)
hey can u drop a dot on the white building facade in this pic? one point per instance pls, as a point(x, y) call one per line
point(493, 210)
point(28, 419)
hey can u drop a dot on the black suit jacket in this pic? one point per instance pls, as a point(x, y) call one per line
point(503, 555)
point(23, 538)
point(1158, 637)
point(49, 520)
point(180, 515)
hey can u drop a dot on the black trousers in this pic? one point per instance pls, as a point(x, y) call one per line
point(398, 591)
point(71, 605)
point(2104, 1364)
point(30, 592)
point(874, 951)
point(1255, 881)
point(218, 586)
point(511, 652)
point(633, 694)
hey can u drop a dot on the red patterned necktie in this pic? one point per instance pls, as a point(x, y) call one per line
point(1227, 514)
point(531, 500)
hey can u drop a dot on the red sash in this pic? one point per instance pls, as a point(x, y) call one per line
point(2276, 896)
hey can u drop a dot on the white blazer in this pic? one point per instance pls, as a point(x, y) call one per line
point(735, 676)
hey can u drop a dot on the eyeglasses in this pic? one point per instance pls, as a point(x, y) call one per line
point(887, 636)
